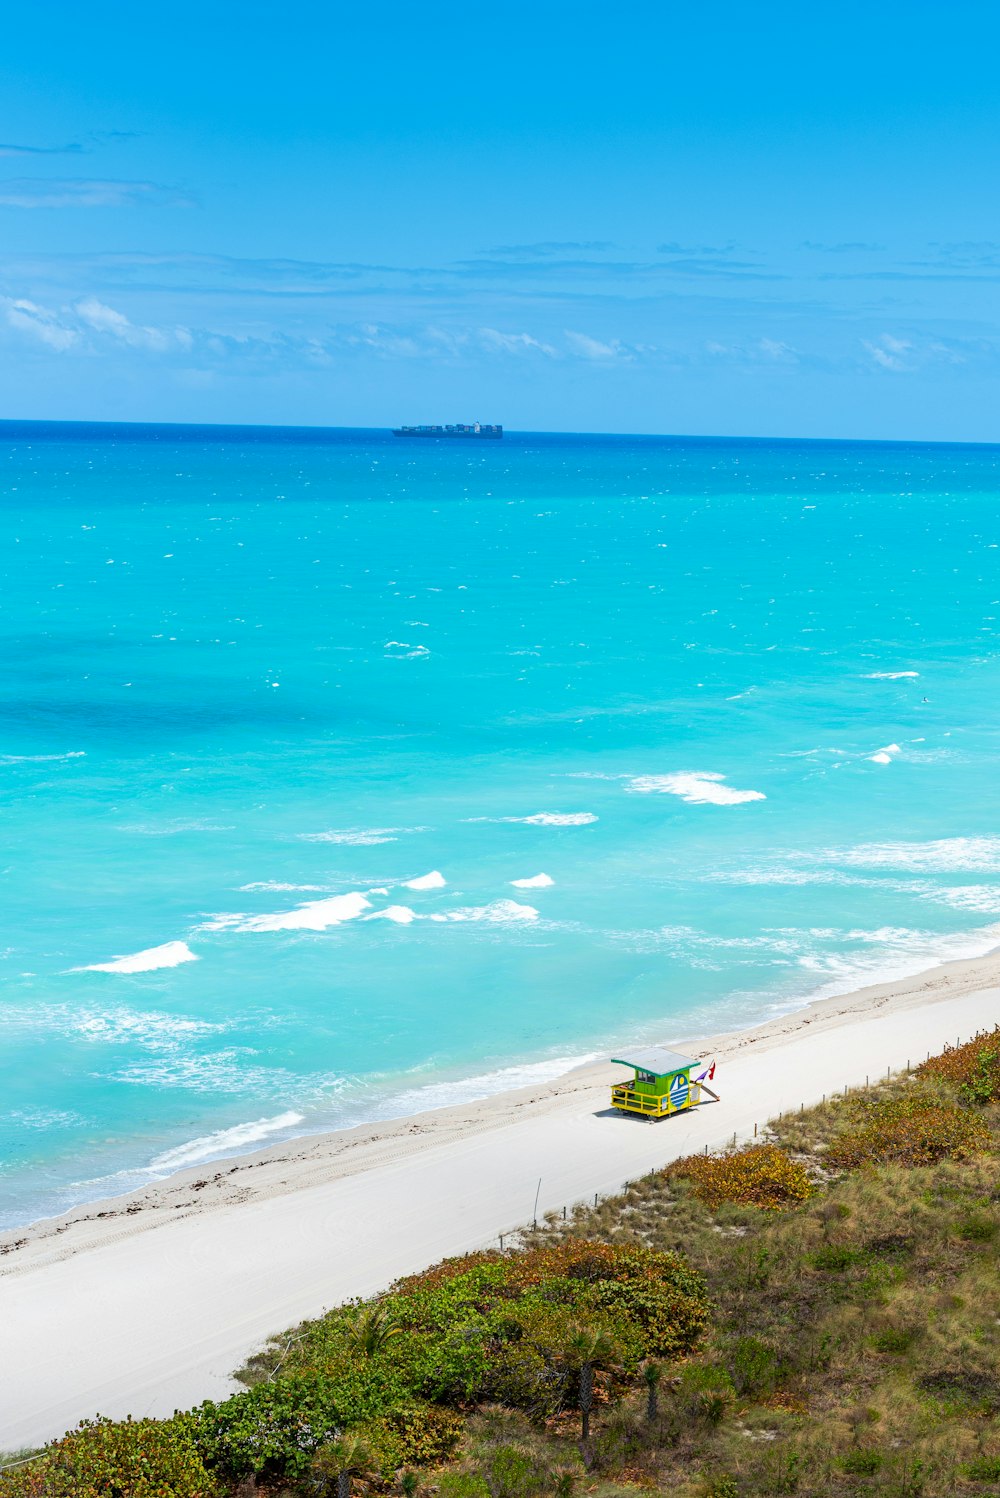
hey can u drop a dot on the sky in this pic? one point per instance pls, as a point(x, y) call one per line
point(780, 219)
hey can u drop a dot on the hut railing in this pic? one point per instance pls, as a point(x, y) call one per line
point(625, 1096)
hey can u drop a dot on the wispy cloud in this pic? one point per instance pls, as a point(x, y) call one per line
point(888, 352)
point(82, 192)
point(844, 247)
point(545, 247)
point(595, 348)
point(514, 343)
point(86, 324)
point(74, 148)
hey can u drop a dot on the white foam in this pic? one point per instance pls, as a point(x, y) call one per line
point(546, 819)
point(889, 675)
point(885, 756)
point(224, 1142)
point(556, 819)
point(40, 759)
point(358, 837)
point(433, 880)
point(700, 788)
point(497, 913)
point(472, 1089)
point(967, 854)
point(402, 650)
point(275, 887)
point(170, 954)
point(314, 915)
point(401, 914)
point(537, 881)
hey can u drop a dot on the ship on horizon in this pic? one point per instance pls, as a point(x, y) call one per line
point(477, 429)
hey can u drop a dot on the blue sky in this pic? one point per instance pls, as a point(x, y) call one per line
point(780, 219)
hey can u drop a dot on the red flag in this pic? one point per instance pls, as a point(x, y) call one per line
point(711, 1073)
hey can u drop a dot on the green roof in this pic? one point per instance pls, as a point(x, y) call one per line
point(656, 1059)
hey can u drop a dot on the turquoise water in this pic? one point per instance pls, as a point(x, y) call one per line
point(736, 701)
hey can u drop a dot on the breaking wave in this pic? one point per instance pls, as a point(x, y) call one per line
point(700, 788)
point(170, 954)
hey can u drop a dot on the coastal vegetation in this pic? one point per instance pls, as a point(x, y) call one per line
point(816, 1313)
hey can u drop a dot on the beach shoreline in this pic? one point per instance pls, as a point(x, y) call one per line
point(216, 1258)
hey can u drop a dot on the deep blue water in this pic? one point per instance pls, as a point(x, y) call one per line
point(736, 700)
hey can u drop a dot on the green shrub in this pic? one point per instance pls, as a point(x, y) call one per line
point(755, 1367)
point(762, 1175)
point(914, 1130)
point(705, 1392)
point(893, 1339)
point(273, 1430)
point(865, 1462)
point(418, 1435)
point(976, 1228)
point(973, 1067)
point(835, 1257)
point(983, 1469)
point(116, 1459)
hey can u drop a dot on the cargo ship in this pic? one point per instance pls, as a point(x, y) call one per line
point(477, 429)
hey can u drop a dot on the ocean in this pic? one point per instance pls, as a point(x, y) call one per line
point(343, 776)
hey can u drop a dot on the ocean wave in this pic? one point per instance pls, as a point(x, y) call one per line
point(217, 1071)
point(402, 650)
point(42, 1118)
point(537, 881)
point(901, 955)
point(150, 1029)
point(885, 756)
point(700, 788)
point(889, 675)
point(972, 854)
point(402, 915)
point(487, 1084)
point(41, 759)
point(275, 887)
point(173, 829)
point(545, 819)
point(434, 880)
point(497, 913)
point(358, 837)
point(224, 1141)
point(313, 915)
point(170, 954)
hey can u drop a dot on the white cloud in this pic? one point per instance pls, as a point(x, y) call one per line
point(38, 322)
point(772, 348)
point(104, 319)
point(88, 324)
point(593, 348)
point(81, 192)
point(514, 343)
point(889, 352)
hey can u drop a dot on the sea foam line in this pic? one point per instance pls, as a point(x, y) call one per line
point(699, 787)
point(224, 1141)
point(170, 954)
point(314, 915)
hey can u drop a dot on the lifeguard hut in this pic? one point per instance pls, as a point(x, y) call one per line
point(662, 1084)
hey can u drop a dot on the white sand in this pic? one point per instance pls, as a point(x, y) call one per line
point(147, 1302)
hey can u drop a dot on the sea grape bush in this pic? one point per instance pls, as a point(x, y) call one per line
point(488, 1328)
point(974, 1068)
point(760, 1175)
point(116, 1459)
point(911, 1130)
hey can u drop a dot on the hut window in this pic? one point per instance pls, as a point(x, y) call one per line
point(644, 1076)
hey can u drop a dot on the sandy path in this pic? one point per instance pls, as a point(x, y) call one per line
point(147, 1302)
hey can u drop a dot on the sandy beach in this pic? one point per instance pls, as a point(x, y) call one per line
point(146, 1303)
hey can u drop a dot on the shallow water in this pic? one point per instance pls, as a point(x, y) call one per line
point(735, 700)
